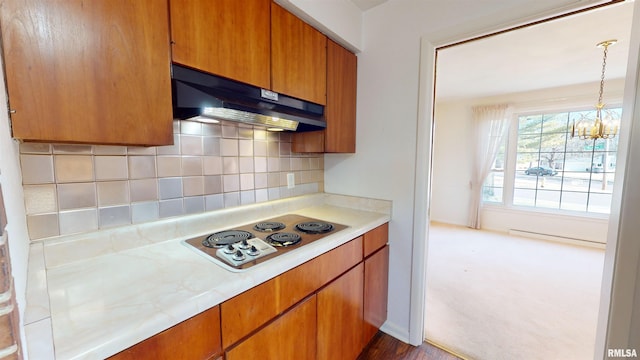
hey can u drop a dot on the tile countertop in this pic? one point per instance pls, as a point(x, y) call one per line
point(121, 294)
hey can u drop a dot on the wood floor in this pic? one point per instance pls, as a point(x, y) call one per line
point(385, 347)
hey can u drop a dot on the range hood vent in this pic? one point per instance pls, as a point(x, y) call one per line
point(205, 97)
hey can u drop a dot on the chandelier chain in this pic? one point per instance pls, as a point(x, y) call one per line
point(604, 65)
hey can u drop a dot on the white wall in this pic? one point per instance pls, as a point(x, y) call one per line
point(387, 121)
point(452, 162)
point(11, 180)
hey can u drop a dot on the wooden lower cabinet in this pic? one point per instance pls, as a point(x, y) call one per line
point(292, 336)
point(241, 316)
point(193, 339)
point(340, 317)
point(376, 282)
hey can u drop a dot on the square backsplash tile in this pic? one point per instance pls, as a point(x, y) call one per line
point(79, 188)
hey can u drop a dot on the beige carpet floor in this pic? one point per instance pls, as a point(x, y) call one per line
point(491, 296)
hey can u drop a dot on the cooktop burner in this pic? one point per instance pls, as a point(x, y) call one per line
point(283, 239)
point(244, 246)
point(222, 238)
point(314, 227)
point(268, 226)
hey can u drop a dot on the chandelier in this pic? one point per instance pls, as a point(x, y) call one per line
point(600, 128)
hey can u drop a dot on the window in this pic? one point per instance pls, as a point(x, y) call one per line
point(555, 171)
point(492, 190)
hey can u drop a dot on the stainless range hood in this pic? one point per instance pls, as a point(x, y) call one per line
point(199, 95)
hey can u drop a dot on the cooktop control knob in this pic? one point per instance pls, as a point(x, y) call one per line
point(253, 251)
point(244, 245)
point(229, 249)
point(238, 256)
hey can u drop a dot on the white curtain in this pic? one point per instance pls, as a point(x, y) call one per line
point(489, 126)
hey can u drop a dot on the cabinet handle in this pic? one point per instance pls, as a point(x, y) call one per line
point(12, 111)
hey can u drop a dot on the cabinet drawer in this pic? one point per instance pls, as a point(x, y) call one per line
point(296, 284)
point(376, 239)
point(240, 315)
point(292, 336)
point(194, 338)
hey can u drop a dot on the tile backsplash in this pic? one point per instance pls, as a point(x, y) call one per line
point(80, 188)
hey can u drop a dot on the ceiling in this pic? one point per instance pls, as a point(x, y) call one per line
point(365, 5)
point(556, 53)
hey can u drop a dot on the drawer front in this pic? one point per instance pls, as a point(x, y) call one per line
point(291, 336)
point(297, 283)
point(194, 338)
point(376, 239)
point(241, 314)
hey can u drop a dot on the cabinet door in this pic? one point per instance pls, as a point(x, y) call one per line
point(376, 282)
point(88, 71)
point(298, 57)
point(194, 338)
point(229, 38)
point(340, 317)
point(340, 111)
point(290, 337)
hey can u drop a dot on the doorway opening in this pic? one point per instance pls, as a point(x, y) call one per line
point(544, 69)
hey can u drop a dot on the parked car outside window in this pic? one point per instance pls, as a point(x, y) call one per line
point(540, 171)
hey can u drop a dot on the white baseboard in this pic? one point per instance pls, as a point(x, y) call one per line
point(561, 239)
point(395, 331)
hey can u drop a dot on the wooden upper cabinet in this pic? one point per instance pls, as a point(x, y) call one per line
point(88, 71)
point(340, 110)
point(229, 38)
point(298, 57)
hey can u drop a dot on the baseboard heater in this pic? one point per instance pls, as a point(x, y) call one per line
point(557, 238)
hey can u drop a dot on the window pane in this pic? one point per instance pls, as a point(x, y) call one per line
point(531, 124)
point(524, 181)
point(527, 160)
point(575, 201)
point(602, 183)
point(555, 123)
point(600, 203)
point(492, 194)
point(552, 160)
point(548, 199)
point(550, 182)
point(492, 188)
point(529, 143)
point(577, 162)
point(524, 197)
point(553, 142)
